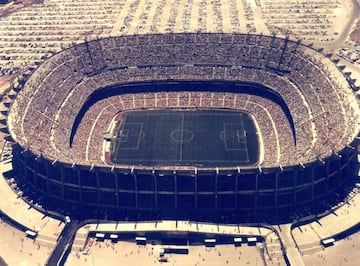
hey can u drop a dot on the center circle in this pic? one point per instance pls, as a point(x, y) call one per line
point(181, 135)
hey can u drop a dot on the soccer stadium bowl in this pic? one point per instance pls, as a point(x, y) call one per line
point(74, 113)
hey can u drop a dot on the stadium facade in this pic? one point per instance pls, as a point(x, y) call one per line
point(308, 127)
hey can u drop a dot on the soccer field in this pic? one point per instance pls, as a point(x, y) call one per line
point(206, 138)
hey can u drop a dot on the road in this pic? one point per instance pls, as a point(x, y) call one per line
point(65, 242)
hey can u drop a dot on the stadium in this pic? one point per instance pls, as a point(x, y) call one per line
point(197, 126)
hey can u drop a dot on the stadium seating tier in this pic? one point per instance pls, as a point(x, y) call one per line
point(319, 98)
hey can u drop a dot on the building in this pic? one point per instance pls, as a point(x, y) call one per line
point(308, 135)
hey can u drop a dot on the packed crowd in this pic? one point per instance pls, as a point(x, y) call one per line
point(319, 100)
point(267, 114)
point(34, 33)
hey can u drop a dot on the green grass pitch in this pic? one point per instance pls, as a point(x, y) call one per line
point(202, 138)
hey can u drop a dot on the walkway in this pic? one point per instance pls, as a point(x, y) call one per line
point(168, 226)
point(17, 210)
point(292, 252)
point(308, 236)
